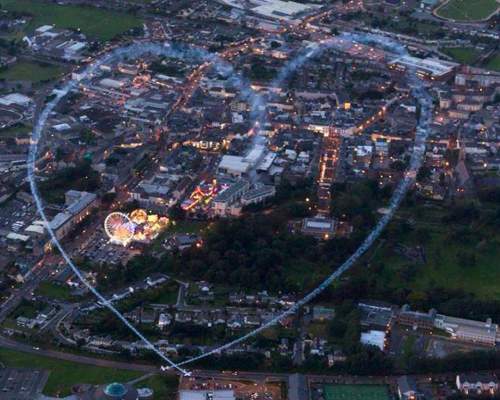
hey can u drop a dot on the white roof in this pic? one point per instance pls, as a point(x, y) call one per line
point(373, 338)
point(234, 163)
point(77, 46)
point(255, 154)
point(15, 98)
point(316, 224)
point(433, 66)
point(59, 220)
point(204, 395)
point(43, 28)
point(281, 9)
point(17, 236)
point(112, 83)
point(35, 229)
point(61, 127)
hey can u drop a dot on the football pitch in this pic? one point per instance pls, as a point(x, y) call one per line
point(467, 10)
point(356, 392)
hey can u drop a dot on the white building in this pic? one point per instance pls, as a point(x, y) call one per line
point(78, 207)
point(258, 195)
point(475, 383)
point(468, 330)
point(235, 166)
point(373, 338)
point(431, 68)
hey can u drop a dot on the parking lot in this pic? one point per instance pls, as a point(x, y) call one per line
point(20, 384)
point(98, 248)
point(16, 215)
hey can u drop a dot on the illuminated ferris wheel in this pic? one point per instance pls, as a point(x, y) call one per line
point(119, 228)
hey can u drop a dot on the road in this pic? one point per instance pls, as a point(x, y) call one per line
point(39, 272)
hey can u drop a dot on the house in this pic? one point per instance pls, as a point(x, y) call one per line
point(477, 383)
point(164, 320)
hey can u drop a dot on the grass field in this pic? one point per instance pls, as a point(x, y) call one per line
point(163, 387)
point(54, 291)
point(356, 392)
point(463, 55)
point(20, 130)
point(467, 10)
point(93, 22)
point(30, 71)
point(442, 267)
point(494, 63)
point(65, 374)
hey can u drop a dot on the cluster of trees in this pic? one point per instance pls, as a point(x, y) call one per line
point(252, 252)
point(80, 177)
point(358, 202)
point(159, 67)
point(261, 72)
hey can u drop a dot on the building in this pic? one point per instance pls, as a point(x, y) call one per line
point(78, 207)
point(376, 314)
point(206, 395)
point(222, 204)
point(468, 330)
point(258, 195)
point(240, 166)
point(477, 383)
point(321, 228)
point(373, 338)
point(429, 68)
point(415, 319)
point(235, 166)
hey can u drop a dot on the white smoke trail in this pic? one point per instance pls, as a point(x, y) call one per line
point(133, 51)
point(422, 131)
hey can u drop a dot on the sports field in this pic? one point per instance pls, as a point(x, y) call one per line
point(463, 55)
point(356, 392)
point(31, 71)
point(494, 63)
point(93, 22)
point(467, 10)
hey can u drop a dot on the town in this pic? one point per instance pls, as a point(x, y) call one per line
point(257, 199)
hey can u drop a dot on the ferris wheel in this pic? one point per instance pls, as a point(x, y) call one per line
point(119, 228)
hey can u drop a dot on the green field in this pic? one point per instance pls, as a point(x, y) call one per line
point(30, 71)
point(463, 55)
point(356, 392)
point(19, 130)
point(65, 374)
point(494, 62)
point(443, 257)
point(94, 22)
point(53, 291)
point(164, 387)
point(467, 10)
